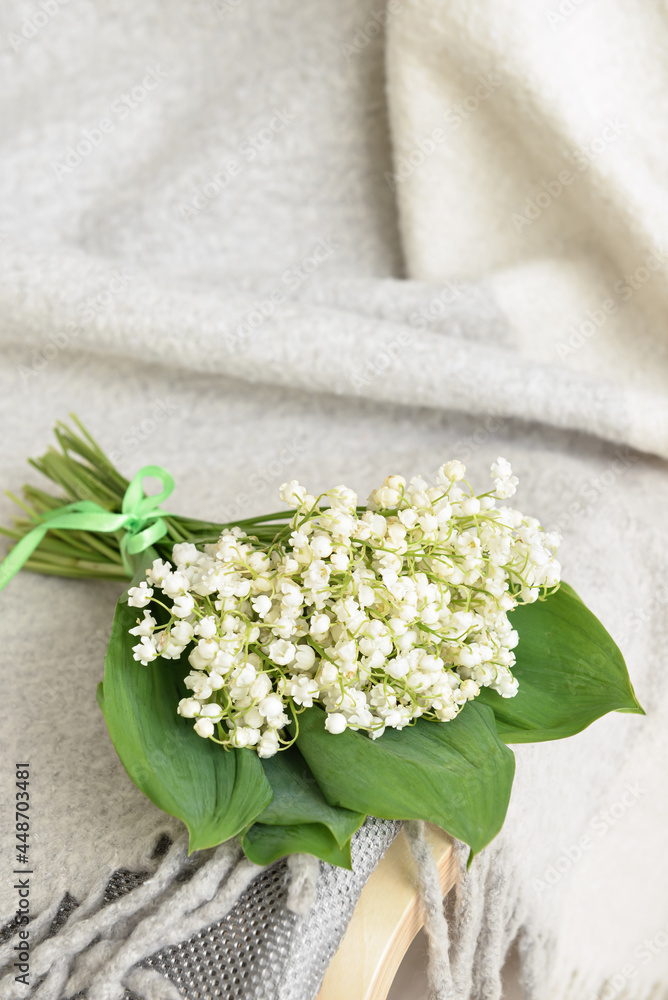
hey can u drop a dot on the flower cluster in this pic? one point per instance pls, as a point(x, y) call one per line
point(379, 615)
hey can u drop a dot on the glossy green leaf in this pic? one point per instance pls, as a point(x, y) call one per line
point(216, 792)
point(298, 798)
point(570, 673)
point(299, 818)
point(456, 774)
point(265, 844)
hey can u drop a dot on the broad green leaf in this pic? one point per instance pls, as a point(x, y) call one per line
point(456, 774)
point(299, 818)
point(216, 792)
point(265, 844)
point(570, 673)
point(298, 798)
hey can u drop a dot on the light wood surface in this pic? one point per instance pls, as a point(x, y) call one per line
point(386, 919)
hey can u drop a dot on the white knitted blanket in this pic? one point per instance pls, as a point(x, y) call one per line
point(250, 241)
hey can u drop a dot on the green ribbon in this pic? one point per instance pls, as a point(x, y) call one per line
point(140, 518)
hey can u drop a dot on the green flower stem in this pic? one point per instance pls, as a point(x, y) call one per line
point(82, 471)
point(80, 571)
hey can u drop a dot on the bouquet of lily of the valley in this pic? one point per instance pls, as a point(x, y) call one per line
point(282, 677)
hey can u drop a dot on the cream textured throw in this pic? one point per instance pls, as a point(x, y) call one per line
point(251, 240)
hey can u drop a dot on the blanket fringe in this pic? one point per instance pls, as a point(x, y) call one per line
point(441, 985)
point(303, 873)
point(99, 946)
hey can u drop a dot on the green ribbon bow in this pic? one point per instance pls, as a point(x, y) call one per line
point(140, 518)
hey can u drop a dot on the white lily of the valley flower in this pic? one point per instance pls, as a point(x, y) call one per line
point(139, 597)
point(335, 723)
point(268, 743)
point(204, 727)
point(380, 618)
point(146, 651)
point(183, 606)
point(189, 708)
point(145, 627)
point(261, 605)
